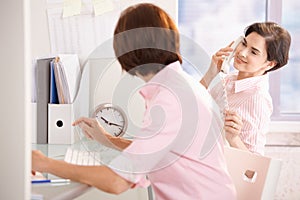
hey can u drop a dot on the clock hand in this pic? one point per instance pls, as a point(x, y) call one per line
point(110, 123)
point(106, 121)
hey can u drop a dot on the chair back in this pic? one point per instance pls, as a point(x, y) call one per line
point(263, 173)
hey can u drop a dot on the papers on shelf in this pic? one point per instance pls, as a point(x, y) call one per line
point(61, 73)
point(66, 78)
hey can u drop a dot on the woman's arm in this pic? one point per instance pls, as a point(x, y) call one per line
point(100, 177)
point(236, 142)
point(257, 110)
point(210, 74)
point(215, 65)
point(233, 125)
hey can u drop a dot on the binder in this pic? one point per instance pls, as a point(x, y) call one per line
point(53, 88)
point(53, 121)
point(68, 72)
point(43, 93)
point(60, 119)
point(62, 84)
point(61, 116)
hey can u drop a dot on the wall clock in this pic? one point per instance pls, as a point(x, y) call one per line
point(112, 118)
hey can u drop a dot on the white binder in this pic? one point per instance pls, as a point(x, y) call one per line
point(60, 130)
point(61, 116)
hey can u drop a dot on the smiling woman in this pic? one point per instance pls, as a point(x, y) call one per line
point(251, 57)
point(196, 21)
point(265, 48)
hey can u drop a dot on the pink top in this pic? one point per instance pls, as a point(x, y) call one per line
point(179, 148)
point(250, 98)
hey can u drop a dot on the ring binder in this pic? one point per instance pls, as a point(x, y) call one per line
point(59, 125)
point(61, 116)
point(43, 95)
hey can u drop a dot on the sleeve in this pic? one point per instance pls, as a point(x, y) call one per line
point(256, 113)
point(218, 92)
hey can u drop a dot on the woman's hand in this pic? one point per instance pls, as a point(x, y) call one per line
point(39, 162)
point(93, 130)
point(218, 58)
point(232, 126)
point(215, 65)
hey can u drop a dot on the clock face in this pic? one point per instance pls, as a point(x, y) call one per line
point(112, 118)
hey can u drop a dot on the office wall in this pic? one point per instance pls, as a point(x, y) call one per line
point(14, 101)
point(100, 90)
point(40, 44)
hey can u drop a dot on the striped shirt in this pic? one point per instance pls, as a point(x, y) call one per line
point(251, 100)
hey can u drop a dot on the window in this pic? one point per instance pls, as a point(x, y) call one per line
point(214, 24)
point(287, 80)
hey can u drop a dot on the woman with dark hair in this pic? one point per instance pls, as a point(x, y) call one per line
point(264, 48)
point(170, 148)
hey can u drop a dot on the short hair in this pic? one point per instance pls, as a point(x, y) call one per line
point(146, 39)
point(278, 41)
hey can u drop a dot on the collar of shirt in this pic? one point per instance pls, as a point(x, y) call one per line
point(152, 87)
point(248, 83)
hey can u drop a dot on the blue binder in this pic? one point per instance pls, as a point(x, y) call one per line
point(53, 88)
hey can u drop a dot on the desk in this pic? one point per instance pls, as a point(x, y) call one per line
point(74, 190)
point(57, 191)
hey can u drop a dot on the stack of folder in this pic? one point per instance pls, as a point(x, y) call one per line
point(57, 84)
point(65, 74)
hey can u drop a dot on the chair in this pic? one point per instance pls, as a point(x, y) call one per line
point(264, 173)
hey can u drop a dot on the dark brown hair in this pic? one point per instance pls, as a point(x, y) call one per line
point(278, 42)
point(146, 39)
